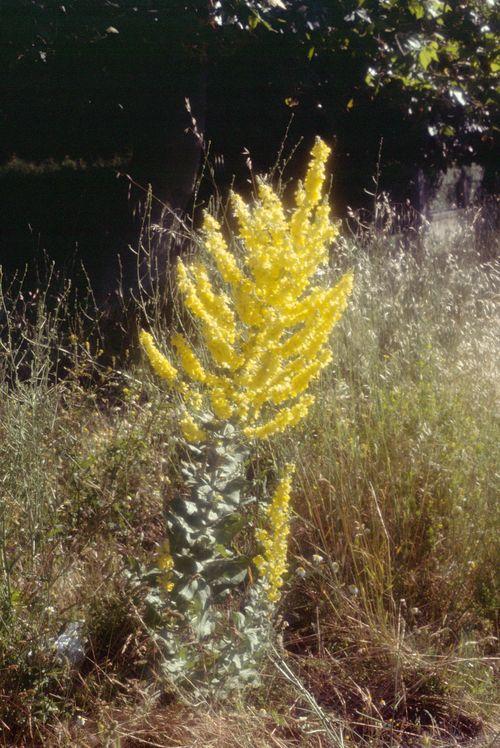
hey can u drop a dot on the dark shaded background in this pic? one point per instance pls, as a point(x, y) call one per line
point(98, 89)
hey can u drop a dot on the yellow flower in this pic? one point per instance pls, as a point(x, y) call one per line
point(193, 398)
point(165, 563)
point(217, 247)
point(192, 432)
point(189, 360)
point(315, 178)
point(267, 333)
point(160, 364)
point(272, 563)
point(284, 419)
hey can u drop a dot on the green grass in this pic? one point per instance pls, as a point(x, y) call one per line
point(399, 494)
point(392, 598)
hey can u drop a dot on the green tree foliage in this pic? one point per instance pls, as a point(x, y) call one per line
point(429, 62)
point(431, 66)
point(95, 78)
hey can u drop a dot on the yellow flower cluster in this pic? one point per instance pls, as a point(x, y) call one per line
point(161, 365)
point(165, 563)
point(192, 432)
point(267, 334)
point(272, 564)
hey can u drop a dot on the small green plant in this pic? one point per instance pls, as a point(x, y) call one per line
point(264, 319)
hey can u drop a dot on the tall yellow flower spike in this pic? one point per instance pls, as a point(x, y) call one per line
point(272, 564)
point(165, 563)
point(264, 320)
point(160, 363)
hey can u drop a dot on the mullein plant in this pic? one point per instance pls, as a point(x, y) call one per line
point(264, 319)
